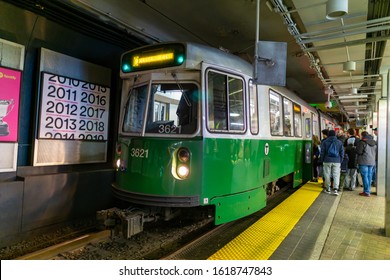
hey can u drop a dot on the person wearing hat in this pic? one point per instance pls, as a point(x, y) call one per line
point(332, 153)
point(350, 178)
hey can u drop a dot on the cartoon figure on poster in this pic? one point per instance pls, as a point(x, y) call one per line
point(9, 104)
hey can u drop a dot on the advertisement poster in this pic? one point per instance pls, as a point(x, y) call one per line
point(72, 109)
point(9, 104)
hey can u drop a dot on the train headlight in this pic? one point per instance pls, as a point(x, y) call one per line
point(183, 171)
point(118, 164)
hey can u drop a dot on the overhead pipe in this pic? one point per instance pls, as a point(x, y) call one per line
point(346, 34)
point(349, 43)
point(379, 21)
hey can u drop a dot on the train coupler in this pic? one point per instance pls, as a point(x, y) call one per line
point(121, 222)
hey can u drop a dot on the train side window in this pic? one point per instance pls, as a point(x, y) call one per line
point(307, 128)
point(316, 130)
point(297, 120)
point(288, 117)
point(275, 113)
point(225, 97)
point(253, 107)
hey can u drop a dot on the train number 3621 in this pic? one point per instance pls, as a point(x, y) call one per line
point(139, 153)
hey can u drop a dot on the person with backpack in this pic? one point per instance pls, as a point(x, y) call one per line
point(332, 153)
point(350, 178)
point(366, 150)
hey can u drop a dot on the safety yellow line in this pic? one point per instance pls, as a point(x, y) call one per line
point(260, 240)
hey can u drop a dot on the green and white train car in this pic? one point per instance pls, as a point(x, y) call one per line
point(196, 132)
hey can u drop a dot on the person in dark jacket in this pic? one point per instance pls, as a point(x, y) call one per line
point(331, 162)
point(343, 170)
point(316, 156)
point(366, 150)
point(350, 178)
point(351, 134)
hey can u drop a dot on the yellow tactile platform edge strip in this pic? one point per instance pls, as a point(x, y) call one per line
point(260, 240)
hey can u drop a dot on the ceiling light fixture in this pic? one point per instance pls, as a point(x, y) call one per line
point(349, 66)
point(353, 96)
point(336, 9)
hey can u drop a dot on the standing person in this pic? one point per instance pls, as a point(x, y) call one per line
point(351, 134)
point(375, 130)
point(350, 178)
point(316, 155)
point(341, 135)
point(332, 153)
point(343, 170)
point(366, 150)
point(324, 133)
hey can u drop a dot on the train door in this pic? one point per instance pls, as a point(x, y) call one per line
point(307, 146)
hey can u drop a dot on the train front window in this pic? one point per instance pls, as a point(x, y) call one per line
point(135, 109)
point(172, 109)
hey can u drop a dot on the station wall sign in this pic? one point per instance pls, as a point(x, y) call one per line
point(71, 109)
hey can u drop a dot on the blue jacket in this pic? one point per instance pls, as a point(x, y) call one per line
point(324, 150)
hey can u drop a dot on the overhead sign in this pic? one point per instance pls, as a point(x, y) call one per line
point(72, 109)
point(9, 104)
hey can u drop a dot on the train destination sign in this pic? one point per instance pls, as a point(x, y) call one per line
point(72, 109)
point(152, 57)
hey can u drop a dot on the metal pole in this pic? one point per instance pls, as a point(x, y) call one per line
point(257, 39)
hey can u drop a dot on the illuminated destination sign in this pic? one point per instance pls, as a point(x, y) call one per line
point(72, 109)
point(152, 57)
point(139, 61)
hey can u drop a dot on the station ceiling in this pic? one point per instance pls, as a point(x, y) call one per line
point(319, 51)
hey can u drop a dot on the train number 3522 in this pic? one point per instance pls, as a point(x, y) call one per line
point(139, 153)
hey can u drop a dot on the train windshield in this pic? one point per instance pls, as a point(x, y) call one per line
point(172, 109)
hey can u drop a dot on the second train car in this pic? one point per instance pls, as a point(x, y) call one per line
point(196, 132)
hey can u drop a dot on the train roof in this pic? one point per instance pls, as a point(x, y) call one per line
point(197, 53)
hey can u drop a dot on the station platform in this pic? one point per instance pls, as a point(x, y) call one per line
point(313, 225)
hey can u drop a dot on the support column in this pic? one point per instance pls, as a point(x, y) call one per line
point(382, 146)
point(385, 144)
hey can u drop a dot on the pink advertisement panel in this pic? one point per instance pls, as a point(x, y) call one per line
point(9, 104)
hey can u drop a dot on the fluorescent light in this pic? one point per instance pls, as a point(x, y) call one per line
point(355, 96)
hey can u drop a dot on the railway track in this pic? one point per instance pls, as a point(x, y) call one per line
point(150, 244)
point(54, 251)
point(168, 241)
